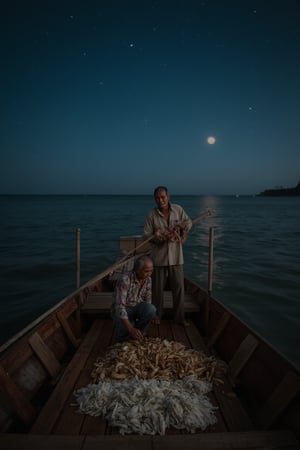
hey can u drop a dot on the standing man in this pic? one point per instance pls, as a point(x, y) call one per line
point(169, 224)
point(132, 310)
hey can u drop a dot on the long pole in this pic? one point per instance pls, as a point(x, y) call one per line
point(211, 260)
point(210, 275)
point(77, 258)
point(121, 262)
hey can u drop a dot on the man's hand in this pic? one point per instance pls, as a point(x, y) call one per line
point(177, 234)
point(160, 235)
point(136, 334)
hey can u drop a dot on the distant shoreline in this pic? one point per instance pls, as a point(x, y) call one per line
point(281, 192)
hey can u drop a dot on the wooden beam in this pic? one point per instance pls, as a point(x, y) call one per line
point(279, 400)
point(98, 302)
point(241, 357)
point(219, 329)
point(67, 329)
point(23, 441)
point(206, 441)
point(223, 441)
point(45, 354)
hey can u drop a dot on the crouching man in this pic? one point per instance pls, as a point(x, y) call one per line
point(132, 310)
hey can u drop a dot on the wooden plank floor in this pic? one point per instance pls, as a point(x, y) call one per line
point(101, 302)
point(70, 422)
point(72, 430)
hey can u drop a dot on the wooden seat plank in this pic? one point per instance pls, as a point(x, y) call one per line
point(259, 440)
point(52, 409)
point(117, 442)
point(20, 441)
point(98, 302)
point(231, 441)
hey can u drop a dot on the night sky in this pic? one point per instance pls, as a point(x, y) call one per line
point(116, 97)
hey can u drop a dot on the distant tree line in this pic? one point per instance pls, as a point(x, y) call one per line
point(294, 191)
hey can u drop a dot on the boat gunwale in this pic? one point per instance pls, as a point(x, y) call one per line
point(93, 283)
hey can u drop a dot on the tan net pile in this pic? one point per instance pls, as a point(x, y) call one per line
point(154, 358)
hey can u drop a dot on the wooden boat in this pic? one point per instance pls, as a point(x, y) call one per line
point(258, 402)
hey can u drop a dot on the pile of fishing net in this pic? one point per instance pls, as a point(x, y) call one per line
point(146, 387)
point(156, 358)
point(149, 406)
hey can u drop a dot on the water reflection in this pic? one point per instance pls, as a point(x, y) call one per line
point(197, 246)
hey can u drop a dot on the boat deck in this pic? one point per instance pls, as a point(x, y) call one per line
point(58, 425)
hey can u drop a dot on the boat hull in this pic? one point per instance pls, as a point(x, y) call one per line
point(42, 365)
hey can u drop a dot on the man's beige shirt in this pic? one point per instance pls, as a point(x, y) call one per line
point(166, 253)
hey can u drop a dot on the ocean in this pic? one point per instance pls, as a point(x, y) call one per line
point(256, 254)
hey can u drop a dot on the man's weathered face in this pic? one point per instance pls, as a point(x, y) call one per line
point(145, 271)
point(162, 198)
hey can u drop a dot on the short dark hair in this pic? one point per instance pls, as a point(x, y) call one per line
point(160, 188)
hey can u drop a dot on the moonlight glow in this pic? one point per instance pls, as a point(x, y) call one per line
point(211, 140)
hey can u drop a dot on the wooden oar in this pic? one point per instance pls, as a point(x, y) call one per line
point(197, 219)
point(131, 254)
point(133, 251)
point(202, 216)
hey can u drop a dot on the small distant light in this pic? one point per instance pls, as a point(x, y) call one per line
point(131, 45)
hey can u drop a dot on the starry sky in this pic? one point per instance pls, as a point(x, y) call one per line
point(116, 97)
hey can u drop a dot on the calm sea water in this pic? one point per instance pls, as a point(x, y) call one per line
point(256, 254)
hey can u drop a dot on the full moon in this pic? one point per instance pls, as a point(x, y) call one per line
point(211, 140)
